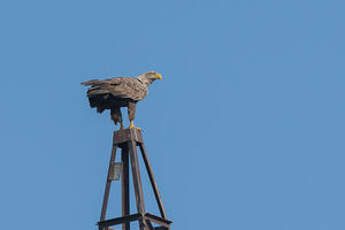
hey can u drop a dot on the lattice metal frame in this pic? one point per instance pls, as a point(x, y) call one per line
point(127, 140)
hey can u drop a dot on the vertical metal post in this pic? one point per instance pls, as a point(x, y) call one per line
point(108, 184)
point(138, 189)
point(125, 186)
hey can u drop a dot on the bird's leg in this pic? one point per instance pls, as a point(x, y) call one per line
point(121, 124)
point(131, 125)
point(116, 116)
point(131, 114)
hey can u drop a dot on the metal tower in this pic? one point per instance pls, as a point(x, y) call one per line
point(128, 140)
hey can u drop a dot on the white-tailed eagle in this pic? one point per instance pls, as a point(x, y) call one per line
point(115, 93)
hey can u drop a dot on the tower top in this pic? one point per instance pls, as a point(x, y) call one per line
point(124, 135)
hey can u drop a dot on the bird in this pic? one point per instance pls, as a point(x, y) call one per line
point(114, 93)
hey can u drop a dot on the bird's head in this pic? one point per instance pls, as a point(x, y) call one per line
point(148, 77)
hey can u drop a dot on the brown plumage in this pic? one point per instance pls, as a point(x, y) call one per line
point(115, 93)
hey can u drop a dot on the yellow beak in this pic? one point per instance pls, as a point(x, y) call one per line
point(158, 76)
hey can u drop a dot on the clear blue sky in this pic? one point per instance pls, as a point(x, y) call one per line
point(246, 131)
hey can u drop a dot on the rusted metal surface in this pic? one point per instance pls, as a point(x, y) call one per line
point(138, 188)
point(149, 224)
point(125, 187)
point(108, 184)
point(161, 228)
point(136, 217)
point(158, 220)
point(120, 220)
point(153, 181)
point(116, 171)
point(128, 140)
point(125, 135)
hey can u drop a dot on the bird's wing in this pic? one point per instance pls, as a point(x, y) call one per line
point(97, 82)
point(129, 88)
point(122, 87)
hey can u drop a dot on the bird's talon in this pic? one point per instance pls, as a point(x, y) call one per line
point(132, 126)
